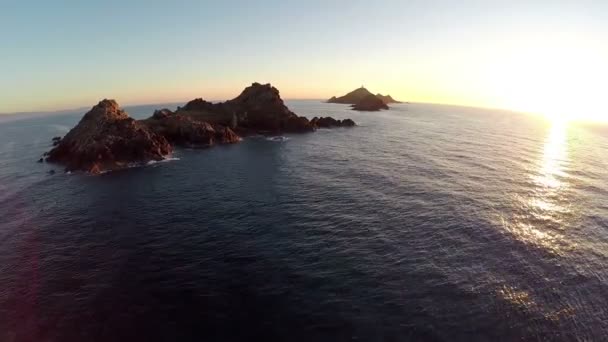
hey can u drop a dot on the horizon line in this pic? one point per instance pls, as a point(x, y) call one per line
point(138, 104)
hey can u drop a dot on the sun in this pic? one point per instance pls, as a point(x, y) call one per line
point(562, 83)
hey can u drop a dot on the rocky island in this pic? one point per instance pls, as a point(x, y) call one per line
point(106, 138)
point(362, 99)
point(370, 103)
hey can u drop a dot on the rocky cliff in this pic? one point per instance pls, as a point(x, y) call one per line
point(106, 138)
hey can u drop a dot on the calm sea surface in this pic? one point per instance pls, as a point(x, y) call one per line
point(424, 222)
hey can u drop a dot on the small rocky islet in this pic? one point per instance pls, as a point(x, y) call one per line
point(106, 138)
point(362, 99)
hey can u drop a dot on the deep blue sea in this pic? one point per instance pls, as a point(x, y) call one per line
point(424, 223)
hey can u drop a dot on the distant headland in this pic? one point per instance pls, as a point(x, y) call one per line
point(363, 100)
point(106, 138)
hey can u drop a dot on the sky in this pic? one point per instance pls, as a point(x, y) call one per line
point(531, 55)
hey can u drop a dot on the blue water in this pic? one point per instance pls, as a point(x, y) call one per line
point(423, 223)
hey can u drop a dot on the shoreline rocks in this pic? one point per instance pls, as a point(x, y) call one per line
point(106, 138)
point(56, 141)
point(329, 122)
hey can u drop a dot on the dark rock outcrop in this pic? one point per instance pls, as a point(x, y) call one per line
point(258, 109)
point(348, 123)
point(329, 122)
point(353, 97)
point(56, 141)
point(162, 113)
point(183, 130)
point(358, 95)
point(106, 138)
point(370, 104)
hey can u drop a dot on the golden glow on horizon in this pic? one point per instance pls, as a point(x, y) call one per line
point(562, 79)
point(562, 83)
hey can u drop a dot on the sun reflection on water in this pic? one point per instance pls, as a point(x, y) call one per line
point(539, 216)
point(524, 300)
point(554, 158)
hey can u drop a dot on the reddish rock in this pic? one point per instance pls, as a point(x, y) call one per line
point(183, 130)
point(162, 113)
point(258, 109)
point(106, 138)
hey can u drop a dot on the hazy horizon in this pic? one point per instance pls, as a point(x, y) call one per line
point(517, 56)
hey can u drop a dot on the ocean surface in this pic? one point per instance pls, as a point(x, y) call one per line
point(424, 223)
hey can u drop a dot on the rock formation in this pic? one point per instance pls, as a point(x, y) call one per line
point(106, 138)
point(183, 130)
point(387, 99)
point(56, 141)
point(258, 109)
point(370, 103)
point(356, 96)
point(353, 97)
point(329, 122)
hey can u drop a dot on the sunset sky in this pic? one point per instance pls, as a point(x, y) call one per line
point(539, 56)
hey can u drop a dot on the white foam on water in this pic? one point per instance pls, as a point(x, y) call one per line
point(277, 139)
point(165, 160)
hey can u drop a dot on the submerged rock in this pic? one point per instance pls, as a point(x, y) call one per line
point(106, 138)
point(370, 104)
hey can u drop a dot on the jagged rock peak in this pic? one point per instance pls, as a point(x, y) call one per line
point(258, 93)
point(106, 110)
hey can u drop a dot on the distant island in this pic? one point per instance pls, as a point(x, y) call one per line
point(363, 100)
point(106, 138)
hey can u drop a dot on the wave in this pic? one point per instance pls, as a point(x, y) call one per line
point(279, 138)
point(165, 160)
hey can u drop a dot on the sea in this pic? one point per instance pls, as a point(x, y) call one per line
point(423, 223)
